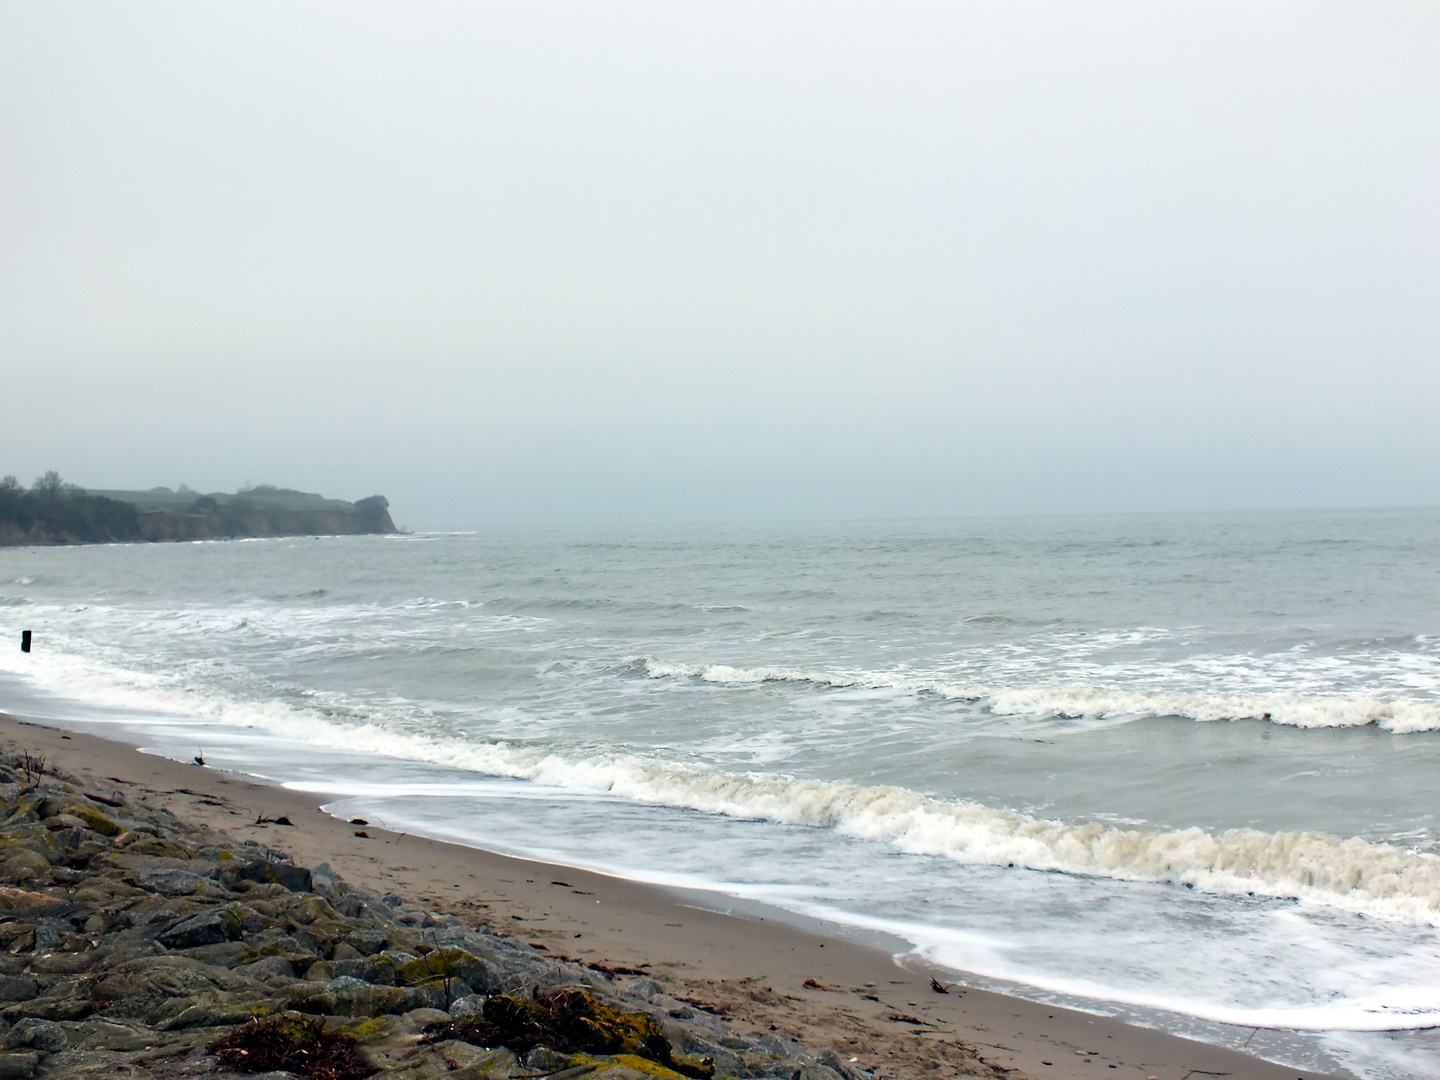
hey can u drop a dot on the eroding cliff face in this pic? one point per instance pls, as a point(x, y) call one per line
point(242, 519)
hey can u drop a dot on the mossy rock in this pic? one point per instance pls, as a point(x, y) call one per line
point(19, 864)
point(33, 836)
point(94, 819)
point(644, 1065)
point(159, 846)
point(449, 962)
point(373, 1028)
point(571, 1021)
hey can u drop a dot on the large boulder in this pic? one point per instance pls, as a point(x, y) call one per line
point(208, 928)
point(34, 1034)
point(22, 865)
point(156, 988)
point(348, 996)
point(18, 1064)
point(452, 962)
point(18, 988)
point(295, 878)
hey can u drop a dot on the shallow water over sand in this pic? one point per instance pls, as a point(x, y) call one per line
point(1183, 766)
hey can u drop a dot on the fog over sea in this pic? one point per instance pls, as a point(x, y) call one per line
point(1184, 770)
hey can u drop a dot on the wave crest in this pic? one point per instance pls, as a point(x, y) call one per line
point(1352, 873)
point(1402, 716)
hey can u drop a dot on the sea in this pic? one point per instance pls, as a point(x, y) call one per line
point(1183, 770)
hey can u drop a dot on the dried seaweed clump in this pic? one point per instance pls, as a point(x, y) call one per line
point(570, 1021)
point(297, 1044)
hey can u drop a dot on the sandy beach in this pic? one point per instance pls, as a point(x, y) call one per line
point(828, 993)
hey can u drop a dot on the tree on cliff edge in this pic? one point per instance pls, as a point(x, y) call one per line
point(54, 512)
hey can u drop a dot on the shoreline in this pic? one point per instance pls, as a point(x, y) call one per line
point(828, 993)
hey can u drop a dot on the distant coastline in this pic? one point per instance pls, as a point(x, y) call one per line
point(53, 512)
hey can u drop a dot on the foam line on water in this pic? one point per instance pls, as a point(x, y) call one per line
point(1398, 715)
point(1397, 1008)
point(1350, 873)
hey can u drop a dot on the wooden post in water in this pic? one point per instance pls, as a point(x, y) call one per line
point(24, 640)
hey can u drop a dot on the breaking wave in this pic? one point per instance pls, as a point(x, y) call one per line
point(1401, 716)
point(1353, 874)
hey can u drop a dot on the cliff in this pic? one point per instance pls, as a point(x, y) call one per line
point(53, 512)
point(242, 517)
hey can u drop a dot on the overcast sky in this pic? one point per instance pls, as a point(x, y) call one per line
point(540, 262)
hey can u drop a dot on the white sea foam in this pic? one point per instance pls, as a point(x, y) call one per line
point(1348, 873)
point(1399, 715)
point(1409, 1004)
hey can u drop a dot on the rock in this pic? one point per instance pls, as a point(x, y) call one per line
point(209, 1014)
point(452, 963)
point(462, 1055)
point(372, 970)
point(227, 954)
point(172, 882)
point(24, 865)
point(161, 964)
point(346, 996)
point(295, 878)
point(207, 929)
point(367, 942)
point(64, 963)
point(621, 1072)
point(428, 1065)
point(473, 1005)
point(65, 1001)
point(271, 965)
point(158, 988)
point(18, 1065)
point(570, 1020)
point(94, 820)
point(308, 909)
point(104, 1035)
point(62, 821)
point(49, 933)
point(13, 988)
point(37, 1034)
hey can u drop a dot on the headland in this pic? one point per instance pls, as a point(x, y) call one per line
point(54, 512)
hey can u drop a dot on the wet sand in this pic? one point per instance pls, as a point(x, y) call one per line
point(762, 974)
